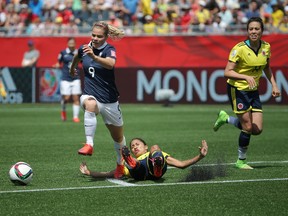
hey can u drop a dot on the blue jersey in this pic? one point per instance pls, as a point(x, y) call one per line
point(99, 81)
point(65, 57)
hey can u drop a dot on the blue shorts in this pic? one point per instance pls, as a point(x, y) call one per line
point(244, 101)
point(145, 170)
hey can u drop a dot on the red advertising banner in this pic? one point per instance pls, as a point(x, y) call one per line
point(151, 52)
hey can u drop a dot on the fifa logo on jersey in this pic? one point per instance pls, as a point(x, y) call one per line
point(8, 89)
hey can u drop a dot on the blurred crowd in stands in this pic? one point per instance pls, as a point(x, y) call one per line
point(139, 17)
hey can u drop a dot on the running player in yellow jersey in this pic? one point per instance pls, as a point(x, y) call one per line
point(150, 164)
point(247, 60)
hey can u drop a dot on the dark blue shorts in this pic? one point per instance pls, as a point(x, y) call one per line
point(145, 170)
point(244, 101)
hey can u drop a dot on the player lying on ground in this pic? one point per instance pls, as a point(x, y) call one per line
point(149, 165)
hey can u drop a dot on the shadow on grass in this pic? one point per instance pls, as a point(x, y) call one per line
point(204, 173)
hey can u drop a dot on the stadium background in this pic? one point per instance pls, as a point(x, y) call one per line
point(190, 65)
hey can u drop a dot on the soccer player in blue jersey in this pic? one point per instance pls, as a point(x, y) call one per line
point(148, 164)
point(70, 86)
point(247, 60)
point(100, 94)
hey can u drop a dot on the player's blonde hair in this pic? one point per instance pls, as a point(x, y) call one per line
point(109, 30)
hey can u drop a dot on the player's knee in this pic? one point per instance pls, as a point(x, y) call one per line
point(91, 105)
point(257, 131)
point(154, 148)
point(247, 127)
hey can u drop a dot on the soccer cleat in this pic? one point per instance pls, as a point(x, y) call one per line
point(63, 115)
point(242, 164)
point(132, 162)
point(157, 166)
point(119, 172)
point(86, 150)
point(221, 120)
point(76, 120)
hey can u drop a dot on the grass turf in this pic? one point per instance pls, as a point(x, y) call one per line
point(34, 133)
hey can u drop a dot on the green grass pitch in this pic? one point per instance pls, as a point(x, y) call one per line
point(35, 134)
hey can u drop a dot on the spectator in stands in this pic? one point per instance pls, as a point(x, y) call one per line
point(253, 10)
point(76, 7)
point(202, 16)
point(2, 18)
point(12, 22)
point(185, 17)
point(65, 13)
point(145, 7)
point(48, 27)
point(149, 25)
point(213, 7)
point(130, 9)
point(36, 7)
point(71, 28)
point(85, 17)
point(35, 28)
point(175, 24)
point(49, 12)
point(226, 17)
point(163, 6)
point(135, 28)
point(276, 16)
point(57, 27)
point(115, 21)
point(217, 26)
point(283, 26)
point(237, 14)
point(162, 26)
point(31, 56)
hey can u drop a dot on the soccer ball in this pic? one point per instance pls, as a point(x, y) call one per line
point(21, 173)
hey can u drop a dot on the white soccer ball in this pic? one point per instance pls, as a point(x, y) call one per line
point(21, 173)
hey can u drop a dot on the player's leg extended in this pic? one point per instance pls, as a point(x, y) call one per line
point(76, 108)
point(65, 97)
point(119, 141)
point(130, 161)
point(244, 139)
point(257, 124)
point(157, 164)
point(76, 91)
point(90, 124)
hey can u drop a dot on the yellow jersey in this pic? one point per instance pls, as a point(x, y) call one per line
point(248, 62)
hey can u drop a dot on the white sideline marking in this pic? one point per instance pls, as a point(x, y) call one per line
point(120, 183)
point(144, 185)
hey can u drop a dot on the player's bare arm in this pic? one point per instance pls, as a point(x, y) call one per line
point(84, 170)
point(185, 163)
point(75, 62)
point(107, 62)
point(232, 74)
point(270, 77)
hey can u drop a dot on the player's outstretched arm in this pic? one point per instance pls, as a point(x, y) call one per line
point(84, 170)
point(185, 163)
point(74, 64)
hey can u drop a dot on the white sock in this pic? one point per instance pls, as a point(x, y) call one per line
point(233, 120)
point(118, 147)
point(63, 105)
point(90, 124)
point(76, 110)
point(242, 152)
